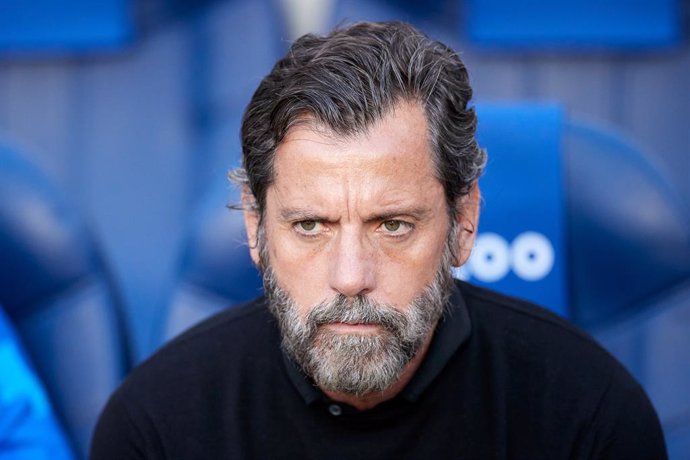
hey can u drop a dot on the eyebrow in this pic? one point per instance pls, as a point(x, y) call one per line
point(417, 213)
point(300, 213)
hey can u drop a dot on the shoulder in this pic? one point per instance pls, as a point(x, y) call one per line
point(535, 345)
point(232, 326)
point(238, 340)
point(188, 382)
point(507, 320)
point(544, 359)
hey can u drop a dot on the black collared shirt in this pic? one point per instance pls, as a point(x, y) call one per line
point(502, 379)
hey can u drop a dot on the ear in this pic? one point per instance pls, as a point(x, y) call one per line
point(251, 224)
point(467, 220)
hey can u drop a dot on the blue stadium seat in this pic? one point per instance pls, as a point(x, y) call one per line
point(28, 429)
point(574, 24)
point(57, 291)
point(215, 270)
point(630, 267)
point(520, 248)
point(654, 345)
point(628, 230)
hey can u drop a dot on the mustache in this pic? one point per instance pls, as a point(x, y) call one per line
point(357, 310)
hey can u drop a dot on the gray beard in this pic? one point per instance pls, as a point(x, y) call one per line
point(357, 364)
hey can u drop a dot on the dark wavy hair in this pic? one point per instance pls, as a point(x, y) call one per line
point(349, 79)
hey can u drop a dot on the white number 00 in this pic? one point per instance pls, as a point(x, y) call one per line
point(531, 256)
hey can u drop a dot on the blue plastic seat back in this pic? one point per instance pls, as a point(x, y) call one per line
point(629, 231)
point(654, 345)
point(620, 234)
point(215, 270)
point(28, 429)
point(574, 24)
point(520, 248)
point(629, 234)
point(55, 288)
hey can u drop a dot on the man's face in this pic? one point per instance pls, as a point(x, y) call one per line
point(355, 233)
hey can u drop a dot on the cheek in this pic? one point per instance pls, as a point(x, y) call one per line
point(299, 269)
point(404, 275)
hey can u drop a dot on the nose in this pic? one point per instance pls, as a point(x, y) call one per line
point(352, 264)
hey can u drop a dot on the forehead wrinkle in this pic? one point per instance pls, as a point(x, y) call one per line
point(350, 205)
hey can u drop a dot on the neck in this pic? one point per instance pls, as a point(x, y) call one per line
point(371, 400)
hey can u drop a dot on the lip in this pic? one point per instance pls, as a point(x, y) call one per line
point(353, 328)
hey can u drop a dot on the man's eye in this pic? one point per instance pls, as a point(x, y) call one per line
point(392, 225)
point(308, 226)
point(396, 228)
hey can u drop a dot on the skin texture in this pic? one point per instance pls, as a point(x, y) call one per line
point(361, 215)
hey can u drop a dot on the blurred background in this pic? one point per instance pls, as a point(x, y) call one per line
point(119, 120)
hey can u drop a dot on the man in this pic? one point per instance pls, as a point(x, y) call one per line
point(360, 194)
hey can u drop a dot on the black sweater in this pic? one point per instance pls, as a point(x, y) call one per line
point(502, 379)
